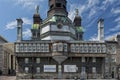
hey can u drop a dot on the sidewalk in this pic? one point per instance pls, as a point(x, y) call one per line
point(7, 77)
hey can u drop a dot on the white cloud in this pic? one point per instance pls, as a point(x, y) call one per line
point(110, 37)
point(27, 21)
point(27, 33)
point(83, 8)
point(116, 28)
point(94, 38)
point(28, 3)
point(92, 13)
point(13, 24)
point(109, 1)
point(115, 11)
point(92, 3)
point(117, 19)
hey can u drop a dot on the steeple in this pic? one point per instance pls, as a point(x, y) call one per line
point(36, 24)
point(36, 17)
point(77, 25)
point(19, 29)
point(77, 20)
point(57, 7)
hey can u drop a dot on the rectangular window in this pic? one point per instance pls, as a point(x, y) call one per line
point(38, 47)
point(26, 69)
point(65, 47)
point(81, 48)
point(60, 47)
point(93, 69)
point(77, 48)
point(54, 47)
point(38, 60)
point(83, 59)
point(93, 59)
point(34, 47)
point(38, 69)
point(73, 48)
point(26, 60)
point(46, 47)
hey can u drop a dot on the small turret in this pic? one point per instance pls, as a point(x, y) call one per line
point(78, 27)
point(57, 7)
point(101, 29)
point(77, 20)
point(36, 17)
point(19, 29)
point(37, 21)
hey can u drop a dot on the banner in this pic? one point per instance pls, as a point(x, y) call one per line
point(49, 68)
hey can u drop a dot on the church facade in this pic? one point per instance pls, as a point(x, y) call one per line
point(57, 49)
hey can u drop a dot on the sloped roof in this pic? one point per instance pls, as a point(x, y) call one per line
point(3, 39)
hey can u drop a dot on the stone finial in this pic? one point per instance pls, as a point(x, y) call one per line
point(37, 9)
point(77, 12)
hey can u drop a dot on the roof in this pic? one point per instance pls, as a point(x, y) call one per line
point(3, 39)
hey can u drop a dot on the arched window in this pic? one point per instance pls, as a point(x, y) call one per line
point(99, 48)
point(21, 48)
point(85, 48)
point(94, 48)
point(38, 48)
point(77, 48)
point(34, 47)
point(46, 47)
point(65, 47)
point(60, 46)
point(54, 47)
point(25, 47)
point(42, 47)
point(29, 47)
point(90, 48)
point(103, 48)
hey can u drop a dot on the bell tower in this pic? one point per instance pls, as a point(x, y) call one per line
point(57, 7)
point(57, 26)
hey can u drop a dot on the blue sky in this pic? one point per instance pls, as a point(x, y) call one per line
point(89, 10)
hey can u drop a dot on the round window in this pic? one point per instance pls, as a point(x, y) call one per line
point(59, 26)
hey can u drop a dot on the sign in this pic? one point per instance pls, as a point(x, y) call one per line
point(49, 68)
point(70, 68)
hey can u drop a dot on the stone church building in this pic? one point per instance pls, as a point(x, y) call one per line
point(57, 49)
